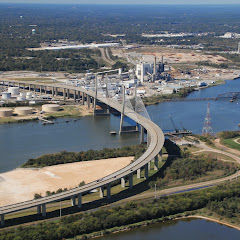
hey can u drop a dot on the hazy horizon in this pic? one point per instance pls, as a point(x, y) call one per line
point(126, 2)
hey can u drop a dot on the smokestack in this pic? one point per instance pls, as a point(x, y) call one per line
point(155, 65)
point(142, 72)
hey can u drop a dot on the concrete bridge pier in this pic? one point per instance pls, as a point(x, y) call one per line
point(139, 173)
point(146, 171)
point(156, 163)
point(142, 134)
point(130, 179)
point(68, 95)
point(56, 91)
point(52, 91)
point(29, 87)
point(101, 191)
point(2, 220)
point(88, 101)
point(74, 95)
point(39, 210)
point(64, 94)
point(108, 190)
point(44, 210)
point(40, 90)
point(73, 201)
point(149, 165)
point(123, 182)
point(79, 200)
point(83, 98)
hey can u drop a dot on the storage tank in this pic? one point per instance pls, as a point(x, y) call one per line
point(6, 95)
point(50, 107)
point(23, 110)
point(13, 90)
point(19, 98)
point(29, 94)
point(6, 112)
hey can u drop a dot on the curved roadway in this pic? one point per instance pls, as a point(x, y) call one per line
point(154, 147)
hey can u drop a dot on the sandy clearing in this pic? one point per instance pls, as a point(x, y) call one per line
point(21, 184)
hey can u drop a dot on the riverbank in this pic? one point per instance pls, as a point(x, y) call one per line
point(21, 184)
point(151, 222)
point(66, 111)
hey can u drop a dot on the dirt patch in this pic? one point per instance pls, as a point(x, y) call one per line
point(21, 184)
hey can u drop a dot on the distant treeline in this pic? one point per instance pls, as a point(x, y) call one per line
point(222, 200)
point(70, 157)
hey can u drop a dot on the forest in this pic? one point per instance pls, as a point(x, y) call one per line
point(96, 23)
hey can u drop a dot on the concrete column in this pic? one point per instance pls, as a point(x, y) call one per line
point(34, 88)
point(123, 182)
point(156, 163)
point(44, 210)
point(101, 191)
point(160, 156)
point(88, 101)
point(142, 134)
point(148, 139)
point(39, 209)
point(68, 95)
point(52, 91)
point(73, 201)
point(146, 171)
point(64, 93)
point(40, 90)
point(74, 95)
point(108, 190)
point(2, 220)
point(78, 94)
point(56, 91)
point(149, 165)
point(19, 85)
point(130, 180)
point(79, 200)
point(83, 98)
point(29, 88)
point(139, 173)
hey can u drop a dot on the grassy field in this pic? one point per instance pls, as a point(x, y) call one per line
point(219, 156)
point(67, 111)
point(231, 143)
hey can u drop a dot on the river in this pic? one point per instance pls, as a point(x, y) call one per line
point(19, 142)
point(197, 229)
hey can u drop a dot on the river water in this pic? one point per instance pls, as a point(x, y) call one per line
point(19, 142)
point(196, 229)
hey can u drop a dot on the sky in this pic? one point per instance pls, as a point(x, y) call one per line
point(125, 1)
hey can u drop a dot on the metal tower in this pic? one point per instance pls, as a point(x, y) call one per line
point(207, 126)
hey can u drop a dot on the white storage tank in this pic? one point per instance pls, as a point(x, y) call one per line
point(6, 112)
point(29, 94)
point(6, 95)
point(50, 107)
point(23, 110)
point(13, 90)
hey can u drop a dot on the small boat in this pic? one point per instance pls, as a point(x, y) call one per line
point(231, 100)
point(113, 133)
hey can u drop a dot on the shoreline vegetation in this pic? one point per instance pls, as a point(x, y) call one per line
point(70, 157)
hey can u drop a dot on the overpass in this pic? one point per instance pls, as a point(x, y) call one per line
point(155, 141)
